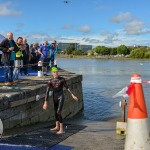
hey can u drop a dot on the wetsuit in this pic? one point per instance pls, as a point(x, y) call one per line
point(56, 85)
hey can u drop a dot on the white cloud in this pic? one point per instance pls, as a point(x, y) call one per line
point(122, 16)
point(107, 38)
point(39, 37)
point(136, 27)
point(133, 26)
point(7, 10)
point(85, 29)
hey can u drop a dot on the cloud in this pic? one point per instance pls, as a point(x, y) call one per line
point(84, 29)
point(126, 16)
point(106, 38)
point(111, 38)
point(91, 40)
point(67, 26)
point(7, 10)
point(35, 37)
point(133, 26)
point(136, 27)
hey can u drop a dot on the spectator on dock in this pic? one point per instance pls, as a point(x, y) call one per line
point(34, 55)
point(44, 51)
point(56, 85)
point(19, 57)
point(53, 52)
point(8, 47)
point(0, 58)
point(26, 58)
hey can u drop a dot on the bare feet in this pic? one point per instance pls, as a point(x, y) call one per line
point(60, 132)
point(54, 129)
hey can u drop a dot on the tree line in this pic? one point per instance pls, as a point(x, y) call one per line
point(131, 52)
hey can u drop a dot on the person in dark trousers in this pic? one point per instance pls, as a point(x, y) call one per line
point(0, 57)
point(44, 52)
point(56, 85)
point(26, 58)
point(34, 56)
point(8, 47)
point(53, 52)
point(18, 58)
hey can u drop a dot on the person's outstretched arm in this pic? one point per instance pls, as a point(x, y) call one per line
point(73, 96)
point(66, 86)
point(46, 96)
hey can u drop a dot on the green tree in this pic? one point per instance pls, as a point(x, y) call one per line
point(122, 49)
point(113, 51)
point(147, 54)
point(138, 53)
point(102, 50)
point(70, 49)
point(77, 52)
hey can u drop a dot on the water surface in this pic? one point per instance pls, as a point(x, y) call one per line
point(104, 78)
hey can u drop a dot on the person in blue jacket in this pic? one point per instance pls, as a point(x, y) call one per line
point(44, 51)
point(53, 52)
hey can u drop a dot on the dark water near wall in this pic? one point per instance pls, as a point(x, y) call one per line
point(104, 78)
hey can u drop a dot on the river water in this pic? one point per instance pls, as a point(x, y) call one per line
point(104, 78)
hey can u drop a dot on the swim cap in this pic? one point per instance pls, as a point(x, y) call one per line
point(54, 69)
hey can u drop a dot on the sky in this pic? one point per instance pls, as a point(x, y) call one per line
point(109, 23)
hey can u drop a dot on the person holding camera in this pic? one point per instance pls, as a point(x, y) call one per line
point(8, 47)
point(18, 57)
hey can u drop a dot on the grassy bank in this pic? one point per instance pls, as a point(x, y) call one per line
point(98, 57)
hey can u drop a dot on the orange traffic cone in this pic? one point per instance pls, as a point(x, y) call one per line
point(138, 133)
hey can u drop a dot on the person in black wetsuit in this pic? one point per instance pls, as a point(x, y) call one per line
point(56, 85)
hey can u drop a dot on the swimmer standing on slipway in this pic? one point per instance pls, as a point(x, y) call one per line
point(56, 85)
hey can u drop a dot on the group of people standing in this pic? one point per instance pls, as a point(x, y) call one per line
point(18, 56)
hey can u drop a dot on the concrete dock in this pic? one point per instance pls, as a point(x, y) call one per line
point(18, 110)
point(21, 112)
point(22, 104)
point(96, 136)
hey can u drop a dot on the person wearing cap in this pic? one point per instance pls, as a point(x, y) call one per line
point(56, 85)
point(53, 52)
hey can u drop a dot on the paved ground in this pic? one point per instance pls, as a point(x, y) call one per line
point(96, 136)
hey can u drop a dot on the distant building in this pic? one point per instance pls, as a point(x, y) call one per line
point(84, 47)
point(63, 46)
point(77, 46)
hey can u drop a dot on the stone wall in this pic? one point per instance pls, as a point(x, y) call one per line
point(19, 106)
